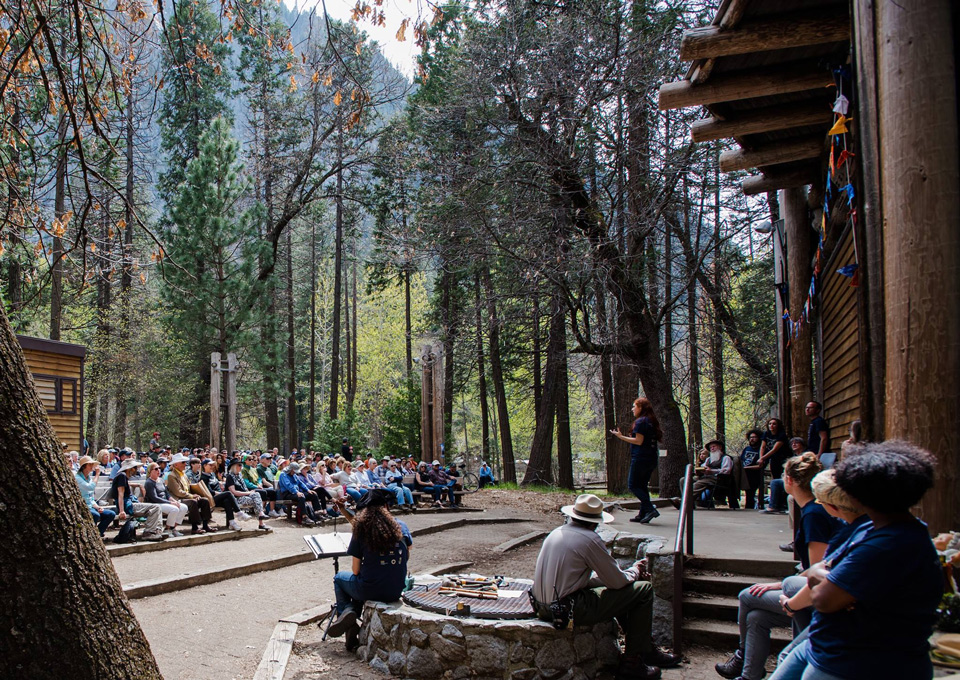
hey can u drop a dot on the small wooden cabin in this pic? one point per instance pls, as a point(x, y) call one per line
point(57, 369)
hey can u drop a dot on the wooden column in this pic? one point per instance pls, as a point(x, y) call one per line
point(214, 399)
point(230, 426)
point(920, 184)
point(800, 244)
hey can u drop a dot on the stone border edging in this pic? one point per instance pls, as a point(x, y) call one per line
point(521, 541)
point(182, 542)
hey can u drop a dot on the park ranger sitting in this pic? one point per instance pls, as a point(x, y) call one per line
point(564, 588)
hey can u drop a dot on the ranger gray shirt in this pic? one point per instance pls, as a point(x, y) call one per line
point(567, 560)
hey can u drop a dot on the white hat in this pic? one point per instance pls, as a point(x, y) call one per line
point(294, 467)
point(587, 508)
point(128, 464)
point(436, 462)
point(179, 458)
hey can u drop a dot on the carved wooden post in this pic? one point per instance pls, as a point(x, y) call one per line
point(214, 399)
point(230, 426)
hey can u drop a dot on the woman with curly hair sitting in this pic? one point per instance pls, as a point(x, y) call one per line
point(380, 548)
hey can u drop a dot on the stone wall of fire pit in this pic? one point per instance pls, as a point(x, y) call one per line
point(405, 642)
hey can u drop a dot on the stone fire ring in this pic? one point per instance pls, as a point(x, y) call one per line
point(406, 642)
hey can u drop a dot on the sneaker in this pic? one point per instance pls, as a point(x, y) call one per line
point(235, 525)
point(732, 667)
point(175, 533)
point(156, 536)
point(242, 516)
point(263, 517)
point(650, 516)
point(274, 514)
point(342, 623)
point(264, 528)
point(307, 522)
point(787, 547)
point(352, 638)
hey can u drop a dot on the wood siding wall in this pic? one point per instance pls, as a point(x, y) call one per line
point(45, 366)
point(840, 343)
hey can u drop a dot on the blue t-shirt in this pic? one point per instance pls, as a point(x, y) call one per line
point(749, 455)
point(815, 526)
point(382, 575)
point(894, 574)
point(817, 425)
point(648, 449)
point(851, 532)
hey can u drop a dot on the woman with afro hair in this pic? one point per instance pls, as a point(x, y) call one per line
point(875, 597)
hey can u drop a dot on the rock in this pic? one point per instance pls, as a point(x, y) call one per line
point(362, 652)
point(418, 637)
point(487, 653)
point(557, 655)
point(377, 632)
point(451, 632)
point(461, 671)
point(584, 646)
point(423, 663)
point(661, 575)
point(521, 654)
point(449, 651)
point(379, 665)
point(524, 674)
point(608, 651)
point(662, 621)
point(396, 662)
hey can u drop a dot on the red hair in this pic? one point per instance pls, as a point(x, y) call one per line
point(646, 411)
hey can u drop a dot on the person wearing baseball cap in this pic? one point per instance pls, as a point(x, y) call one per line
point(561, 588)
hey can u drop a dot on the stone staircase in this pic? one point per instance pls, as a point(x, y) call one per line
point(710, 589)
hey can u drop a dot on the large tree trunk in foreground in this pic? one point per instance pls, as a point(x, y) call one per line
point(65, 615)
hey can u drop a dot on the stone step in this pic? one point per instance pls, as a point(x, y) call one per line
point(769, 569)
point(224, 534)
point(714, 608)
point(724, 635)
point(719, 584)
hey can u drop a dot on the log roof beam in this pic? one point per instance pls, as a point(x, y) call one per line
point(773, 179)
point(767, 119)
point(773, 153)
point(710, 42)
point(725, 87)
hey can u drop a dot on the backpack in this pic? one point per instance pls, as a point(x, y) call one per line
point(128, 533)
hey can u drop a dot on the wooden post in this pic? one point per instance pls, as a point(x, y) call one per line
point(793, 208)
point(426, 404)
point(214, 399)
point(920, 183)
point(230, 426)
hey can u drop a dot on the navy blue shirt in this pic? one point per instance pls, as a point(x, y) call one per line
point(749, 456)
point(848, 532)
point(894, 574)
point(382, 575)
point(815, 526)
point(648, 449)
point(783, 452)
point(817, 425)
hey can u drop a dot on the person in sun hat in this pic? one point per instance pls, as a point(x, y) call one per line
point(562, 588)
point(122, 496)
point(87, 482)
point(380, 547)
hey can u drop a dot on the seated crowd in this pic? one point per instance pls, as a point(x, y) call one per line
point(167, 490)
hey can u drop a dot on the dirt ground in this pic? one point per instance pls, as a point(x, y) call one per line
point(219, 631)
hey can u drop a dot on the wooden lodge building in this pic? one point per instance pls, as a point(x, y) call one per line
point(57, 369)
point(847, 111)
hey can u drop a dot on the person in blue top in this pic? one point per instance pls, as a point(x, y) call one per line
point(818, 434)
point(760, 608)
point(291, 488)
point(380, 548)
point(752, 467)
point(643, 456)
point(876, 597)
point(88, 489)
point(486, 475)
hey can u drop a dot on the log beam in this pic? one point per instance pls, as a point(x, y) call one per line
point(773, 179)
point(762, 120)
point(742, 85)
point(710, 42)
point(772, 154)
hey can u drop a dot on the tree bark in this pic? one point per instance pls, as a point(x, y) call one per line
point(716, 340)
point(448, 322)
point(481, 374)
point(564, 445)
point(540, 468)
point(537, 356)
point(312, 420)
point(499, 389)
point(65, 583)
point(337, 287)
point(694, 423)
point(612, 450)
point(291, 422)
point(59, 210)
point(407, 320)
point(800, 245)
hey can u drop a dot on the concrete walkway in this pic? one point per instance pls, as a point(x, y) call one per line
point(723, 533)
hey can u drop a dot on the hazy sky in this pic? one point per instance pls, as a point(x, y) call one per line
point(401, 54)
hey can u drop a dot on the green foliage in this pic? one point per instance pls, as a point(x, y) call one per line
point(401, 422)
point(331, 432)
point(949, 613)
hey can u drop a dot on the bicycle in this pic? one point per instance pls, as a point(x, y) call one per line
point(469, 482)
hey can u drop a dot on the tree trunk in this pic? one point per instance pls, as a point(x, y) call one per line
point(564, 445)
point(694, 424)
point(354, 298)
point(612, 451)
point(537, 354)
point(540, 468)
point(312, 422)
point(668, 313)
point(482, 375)
point(448, 321)
point(59, 210)
point(716, 340)
point(64, 580)
point(626, 383)
point(291, 429)
point(499, 389)
point(337, 288)
point(407, 321)
point(800, 245)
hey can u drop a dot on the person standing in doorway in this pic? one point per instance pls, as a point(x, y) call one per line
point(643, 456)
point(818, 434)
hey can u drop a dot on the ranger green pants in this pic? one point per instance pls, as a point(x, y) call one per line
point(631, 606)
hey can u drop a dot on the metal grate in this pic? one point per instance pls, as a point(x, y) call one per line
point(428, 597)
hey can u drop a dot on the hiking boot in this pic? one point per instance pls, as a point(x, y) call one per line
point(639, 517)
point(632, 667)
point(732, 667)
point(661, 659)
point(649, 516)
point(156, 536)
point(344, 622)
point(352, 638)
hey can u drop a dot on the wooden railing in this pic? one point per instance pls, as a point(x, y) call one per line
point(684, 536)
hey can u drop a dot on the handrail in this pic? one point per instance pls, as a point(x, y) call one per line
point(684, 534)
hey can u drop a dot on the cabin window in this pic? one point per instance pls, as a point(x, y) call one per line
point(58, 394)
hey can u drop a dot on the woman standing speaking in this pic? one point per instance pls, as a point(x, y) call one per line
point(643, 456)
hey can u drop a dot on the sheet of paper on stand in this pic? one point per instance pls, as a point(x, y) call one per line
point(328, 545)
